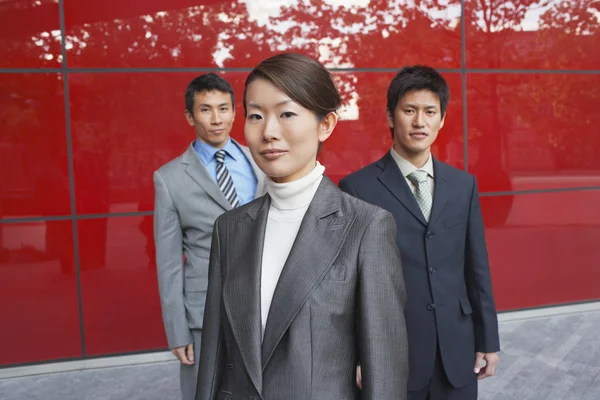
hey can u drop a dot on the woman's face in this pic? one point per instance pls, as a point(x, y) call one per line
point(283, 136)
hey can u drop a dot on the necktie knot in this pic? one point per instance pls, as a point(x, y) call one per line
point(417, 177)
point(220, 156)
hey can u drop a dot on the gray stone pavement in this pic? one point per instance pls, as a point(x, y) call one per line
point(553, 358)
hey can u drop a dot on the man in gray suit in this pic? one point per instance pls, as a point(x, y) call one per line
point(213, 175)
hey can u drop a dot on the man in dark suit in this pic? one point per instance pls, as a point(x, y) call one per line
point(450, 312)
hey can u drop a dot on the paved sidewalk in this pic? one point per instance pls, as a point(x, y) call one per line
point(554, 358)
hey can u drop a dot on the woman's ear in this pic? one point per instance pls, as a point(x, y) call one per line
point(327, 125)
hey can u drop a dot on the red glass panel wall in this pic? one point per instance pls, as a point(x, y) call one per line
point(39, 306)
point(118, 284)
point(81, 136)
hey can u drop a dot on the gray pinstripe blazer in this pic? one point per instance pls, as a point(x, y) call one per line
point(340, 298)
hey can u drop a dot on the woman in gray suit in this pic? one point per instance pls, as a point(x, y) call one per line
point(305, 281)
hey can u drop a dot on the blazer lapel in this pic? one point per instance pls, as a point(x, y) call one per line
point(261, 185)
point(319, 241)
point(198, 172)
point(392, 179)
point(441, 191)
point(241, 293)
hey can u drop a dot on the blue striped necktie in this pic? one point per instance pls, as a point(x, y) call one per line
point(224, 180)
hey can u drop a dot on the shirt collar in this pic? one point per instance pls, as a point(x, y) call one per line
point(207, 152)
point(406, 168)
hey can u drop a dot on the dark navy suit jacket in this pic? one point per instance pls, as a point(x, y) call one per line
point(445, 265)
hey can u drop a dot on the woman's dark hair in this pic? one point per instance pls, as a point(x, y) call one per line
point(304, 80)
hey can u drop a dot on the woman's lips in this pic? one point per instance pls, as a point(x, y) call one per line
point(273, 154)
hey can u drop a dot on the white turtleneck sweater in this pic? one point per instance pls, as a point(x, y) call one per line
point(289, 202)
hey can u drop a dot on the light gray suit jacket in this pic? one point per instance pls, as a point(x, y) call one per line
point(340, 299)
point(187, 203)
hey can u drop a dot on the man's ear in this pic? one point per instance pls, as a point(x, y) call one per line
point(390, 119)
point(189, 118)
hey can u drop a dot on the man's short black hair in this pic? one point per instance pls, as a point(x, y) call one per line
point(417, 77)
point(206, 83)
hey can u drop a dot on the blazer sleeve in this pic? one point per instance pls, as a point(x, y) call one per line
point(169, 265)
point(381, 326)
point(211, 366)
point(479, 281)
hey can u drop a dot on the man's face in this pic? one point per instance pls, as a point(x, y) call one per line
point(212, 118)
point(416, 122)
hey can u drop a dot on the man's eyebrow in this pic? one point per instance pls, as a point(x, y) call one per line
point(412, 105)
point(210, 105)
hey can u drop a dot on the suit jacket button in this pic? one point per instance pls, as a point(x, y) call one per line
point(430, 307)
point(431, 270)
point(429, 235)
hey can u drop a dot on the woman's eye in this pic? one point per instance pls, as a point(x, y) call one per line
point(254, 117)
point(287, 114)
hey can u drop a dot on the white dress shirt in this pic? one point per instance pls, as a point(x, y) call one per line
point(407, 168)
